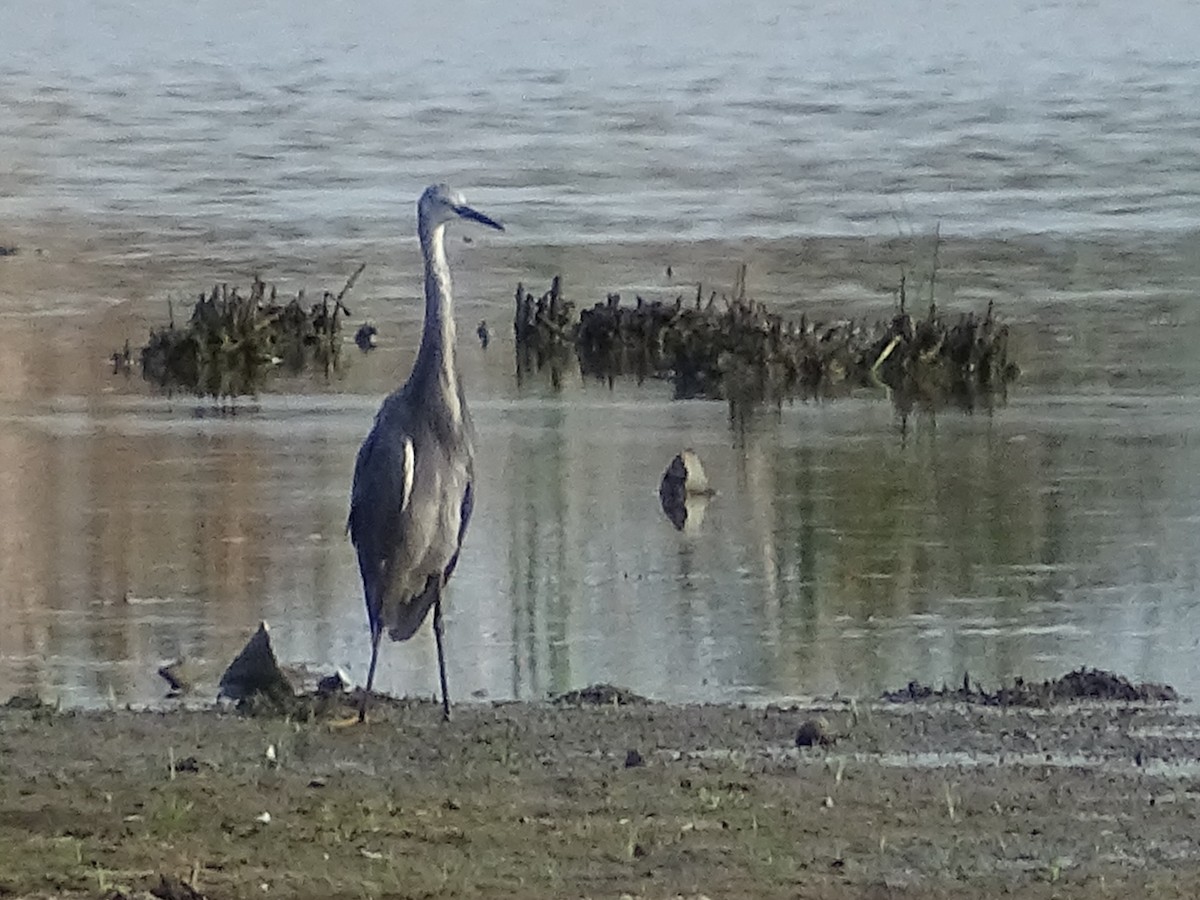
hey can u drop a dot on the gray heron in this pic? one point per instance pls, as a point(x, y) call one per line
point(413, 480)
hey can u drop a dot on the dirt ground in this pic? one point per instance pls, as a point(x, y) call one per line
point(934, 798)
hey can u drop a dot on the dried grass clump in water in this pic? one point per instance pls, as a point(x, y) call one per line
point(735, 348)
point(232, 342)
point(545, 329)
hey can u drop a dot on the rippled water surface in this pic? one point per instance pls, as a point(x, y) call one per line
point(717, 119)
point(147, 149)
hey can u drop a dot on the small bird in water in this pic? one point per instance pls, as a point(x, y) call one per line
point(413, 484)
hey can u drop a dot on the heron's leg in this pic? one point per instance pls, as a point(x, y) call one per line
point(376, 634)
point(441, 652)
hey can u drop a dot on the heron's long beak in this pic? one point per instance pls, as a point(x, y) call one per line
point(476, 216)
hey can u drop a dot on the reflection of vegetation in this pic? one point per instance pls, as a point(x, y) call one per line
point(855, 542)
point(232, 343)
point(735, 348)
point(542, 568)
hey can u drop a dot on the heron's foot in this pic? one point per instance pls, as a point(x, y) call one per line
point(359, 718)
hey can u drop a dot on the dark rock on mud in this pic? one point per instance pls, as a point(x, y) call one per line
point(815, 733)
point(189, 764)
point(336, 683)
point(1081, 684)
point(256, 671)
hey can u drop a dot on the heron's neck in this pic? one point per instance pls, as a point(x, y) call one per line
point(436, 357)
point(437, 341)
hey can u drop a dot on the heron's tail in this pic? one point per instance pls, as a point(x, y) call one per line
point(404, 619)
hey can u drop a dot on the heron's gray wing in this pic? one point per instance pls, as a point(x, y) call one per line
point(383, 477)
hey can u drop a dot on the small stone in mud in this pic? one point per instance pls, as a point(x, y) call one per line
point(633, 759)
point(814, 733)
point(336, 683)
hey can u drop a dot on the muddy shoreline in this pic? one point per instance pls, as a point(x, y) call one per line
point(931, 799)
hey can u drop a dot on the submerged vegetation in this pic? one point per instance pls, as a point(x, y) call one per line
point(233, 342)
point(731, 347)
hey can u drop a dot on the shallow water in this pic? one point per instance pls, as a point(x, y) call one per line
point(150, 152)
point(847, 549)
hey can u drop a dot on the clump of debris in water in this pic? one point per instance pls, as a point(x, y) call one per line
point(730, 347)
point(232, 342)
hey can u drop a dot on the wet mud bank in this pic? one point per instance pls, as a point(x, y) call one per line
point(603, 794)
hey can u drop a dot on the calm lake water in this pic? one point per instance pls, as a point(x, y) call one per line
point(715, 119)
point(171, 144)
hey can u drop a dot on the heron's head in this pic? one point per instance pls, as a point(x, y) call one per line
point(441, 204)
